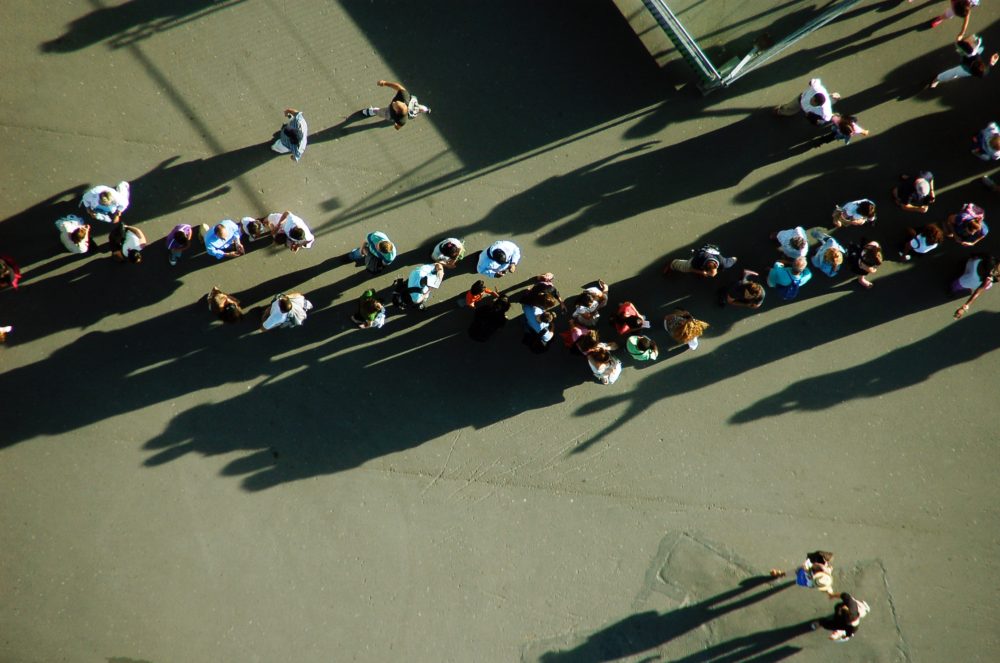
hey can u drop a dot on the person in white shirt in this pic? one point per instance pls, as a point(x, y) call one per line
point(106, 204)
point(74, 233)
point(499, 258)
point(287, 310)
point(792, 242)
point(816, 103)
point(421, 281)
point(291, 230)
point(127, 243)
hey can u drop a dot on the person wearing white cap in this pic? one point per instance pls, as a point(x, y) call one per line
point(915, 193)
point(106, 204)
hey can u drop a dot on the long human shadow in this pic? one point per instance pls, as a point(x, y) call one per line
point(644, 631)
point(759, 647)
point(172, 185)
point(133, 21)
point(959, 343)
point(896, 295)
point(639, 178)
point(30, 236)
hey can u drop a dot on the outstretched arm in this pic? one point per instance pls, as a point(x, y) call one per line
point(395, 86)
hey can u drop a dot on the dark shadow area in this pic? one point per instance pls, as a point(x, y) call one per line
point(520, 74)
point(130, 22)
point(648, 630)
point(961, 342)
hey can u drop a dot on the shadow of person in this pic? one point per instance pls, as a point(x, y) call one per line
point(347, 127)
point(638, 179)
point(173, 185)
point(956, 344)
point(644, 631)
point(759, 647)
point(127, 23)
point(33, 232)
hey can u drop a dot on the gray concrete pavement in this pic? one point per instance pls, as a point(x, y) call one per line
point(177, 490)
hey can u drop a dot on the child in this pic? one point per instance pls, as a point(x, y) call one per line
point(476, 294)
point(371, 311)
point(178, 241)
point(864, 258)
point(641, 348)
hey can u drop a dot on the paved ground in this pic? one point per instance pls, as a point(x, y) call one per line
point(174, 490)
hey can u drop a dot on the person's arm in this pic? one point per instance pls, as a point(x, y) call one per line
point(975, 295)
point(395, 86)
point(965, 25)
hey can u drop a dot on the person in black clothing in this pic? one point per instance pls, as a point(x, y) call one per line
point(972, 63)
point(402, 107)
point(490, 316)
point(847, 616)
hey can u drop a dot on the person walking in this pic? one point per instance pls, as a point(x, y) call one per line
point(421, 281)
point(103, 203)
point(792, 243)
point(847, 616)
point(843, 128)
point(402, 107)
point(921, 241)
point(292, 137)
point(371, 311)
point(288, 229)
point(916, 193)
point(787, 279)
point(855, 213)
point(684, 328)
point(287, 310)
point(981, 272)
point(376, 252)
point(816, 103)
point(829, 254)
point(746, 292)
point(499, 258)
point(127, 243)
point(986, 144)
point(448, 252)
point(967, 227)
point(960, 8)
point(74, 233)
point(705, 261)
point(178, 241)
point(10, 273)
point(816, 572)
point(972, 63)
point(606, 367)
point(226, 307)
point(864, 258)
point(223, 240)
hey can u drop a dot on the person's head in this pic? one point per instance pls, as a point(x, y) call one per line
point(586, 300)
point(932, 233)
point(544, 300)
point(546, 317)
point(922, 187)
point(644, 343)
point(994, 142)
point(181, 239)
point(818, 99)
point(78, 235)
point(847, 122)
point(450, 250)
point(134, 256)
point(297, 234)
point(221, 231)
point(971, 45)
point(752, 291)
point(385, 247)
point(106, 197)
point(588, 341)
point(799, 265)
point(867, 208)
point(478, 287)
point(499, 255)
point(798, 242)
point(833, 257)
point(284, 304)
point(600, 355)
point(973, 225)
point(501, 304)
point(711, 263)
point(872, 255)
point(231, 312)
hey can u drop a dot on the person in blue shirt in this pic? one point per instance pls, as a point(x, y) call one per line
point(223, 241)
point(829, 256)
point(787, 280)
